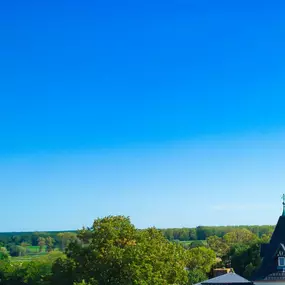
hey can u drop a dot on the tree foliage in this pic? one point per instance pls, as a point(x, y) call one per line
point(117, 253)
point(200, 258)
point(41, 243)
point(218, 245)
point(35, 272)
point(239, 236)
point(65, 238)
point(245, 258)
point(4, 253)
point(49, 241)
point(197, 275)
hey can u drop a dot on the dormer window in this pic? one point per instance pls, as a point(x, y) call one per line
point(281, 261)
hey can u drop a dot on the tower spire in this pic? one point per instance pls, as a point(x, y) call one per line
point(283, 203)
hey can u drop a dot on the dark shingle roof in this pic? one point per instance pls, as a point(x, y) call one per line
point(268, 266)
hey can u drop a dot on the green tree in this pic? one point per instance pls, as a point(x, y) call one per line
point(192, 234)
point(4, 254)
point(64, 272)
point(245, 258)
point(218, 245)
point(41, 243)
point(168, 233)
point(24, 244)
point(265, 238)
point(201, 258)
point(117, 253)
point(49, 243)
point(35, 272)
point(17, 250)
point(196, 276)
point(240, 236)
point(66, 238)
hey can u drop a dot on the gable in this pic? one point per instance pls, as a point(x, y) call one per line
point(280, 252)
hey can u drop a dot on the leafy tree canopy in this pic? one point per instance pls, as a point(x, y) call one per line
point(115, 252)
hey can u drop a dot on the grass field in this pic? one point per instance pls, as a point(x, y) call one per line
point(32, 253)
point(34, 249)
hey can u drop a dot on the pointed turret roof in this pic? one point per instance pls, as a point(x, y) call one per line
point(269, 269)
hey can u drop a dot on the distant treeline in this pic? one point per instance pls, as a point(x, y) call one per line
point(182, 234)
point(203, 232)
point(31, 238)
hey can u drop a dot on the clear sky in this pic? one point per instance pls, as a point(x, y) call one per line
point(170, 112)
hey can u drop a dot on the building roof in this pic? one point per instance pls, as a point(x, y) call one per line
point(268, 269)
point(281, 246)
point(228, 278)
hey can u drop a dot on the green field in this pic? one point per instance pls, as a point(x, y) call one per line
point(34, 249)
point(32, 253)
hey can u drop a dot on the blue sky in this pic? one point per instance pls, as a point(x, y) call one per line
point(170, 112)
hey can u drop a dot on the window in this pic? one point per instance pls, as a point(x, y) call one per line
point(281, 261)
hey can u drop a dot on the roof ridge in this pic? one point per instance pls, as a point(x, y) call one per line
point(230, 277)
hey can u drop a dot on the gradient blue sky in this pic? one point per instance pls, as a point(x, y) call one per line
point(170, 112)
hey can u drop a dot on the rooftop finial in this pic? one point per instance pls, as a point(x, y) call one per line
point(283, 203)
